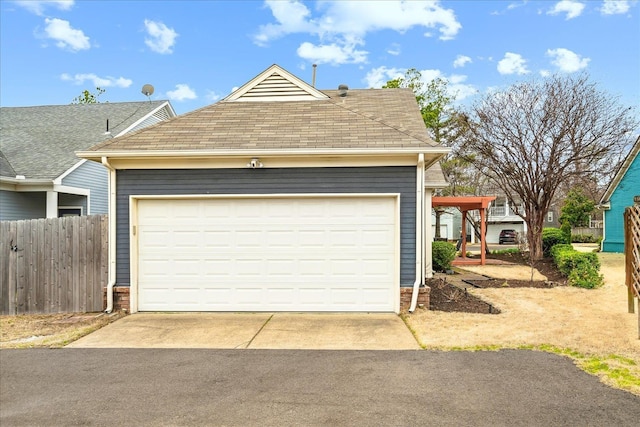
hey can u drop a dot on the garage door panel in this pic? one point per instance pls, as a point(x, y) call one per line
point(320, 254)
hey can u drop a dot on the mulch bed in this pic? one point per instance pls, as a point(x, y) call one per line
point(511, 283)
point(447, 297)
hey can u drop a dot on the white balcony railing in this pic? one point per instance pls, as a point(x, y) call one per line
point(501, 211)
point(595, 223)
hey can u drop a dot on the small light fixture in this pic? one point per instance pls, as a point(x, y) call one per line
point(255, 163)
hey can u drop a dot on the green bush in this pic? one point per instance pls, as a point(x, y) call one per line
point(550, 238)
point(565, 227)
point(585, 238)
point(587, 276)
point(443, 253)
point(581, 268)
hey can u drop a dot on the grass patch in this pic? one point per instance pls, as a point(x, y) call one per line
point(506, 251)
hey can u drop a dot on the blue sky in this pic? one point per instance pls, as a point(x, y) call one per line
point(197, 52)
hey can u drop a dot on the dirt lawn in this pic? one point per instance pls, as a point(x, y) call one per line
point(593, 322)
point(50, 330)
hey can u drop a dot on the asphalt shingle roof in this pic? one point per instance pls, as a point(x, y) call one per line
point(40, 142)
point(375, 119)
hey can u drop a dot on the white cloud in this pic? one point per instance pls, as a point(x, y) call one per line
point(65, 36)
point(38, 6)
point(566, 60)
point(161, 38)
point(512, 63)
point(291, 16)
point(101, 82)
point(394, 49)
point(183, 92)
point(510, 6)
point(545, 73)
point(572, 8)
point(211, 96)
point(615, 7)
point(338, 23)
point(333, 53)
point(378, 77)
point(459, 88)
point(461, 61)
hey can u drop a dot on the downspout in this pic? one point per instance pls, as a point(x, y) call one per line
point(419, 231)
point(112, 240)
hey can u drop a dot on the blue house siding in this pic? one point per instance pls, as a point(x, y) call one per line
point(22, 205)
point(621, 198)
point(94, 177)
point(265, 181)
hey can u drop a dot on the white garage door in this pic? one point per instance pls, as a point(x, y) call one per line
point(267, 254)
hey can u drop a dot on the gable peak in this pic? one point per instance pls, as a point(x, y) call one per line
point(276, 84)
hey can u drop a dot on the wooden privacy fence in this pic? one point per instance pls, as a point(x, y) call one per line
point(632, 255)
point(53, 265)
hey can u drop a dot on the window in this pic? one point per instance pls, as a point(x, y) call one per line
point(69, 211)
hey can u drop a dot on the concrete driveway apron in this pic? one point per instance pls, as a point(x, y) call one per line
point(303, 331)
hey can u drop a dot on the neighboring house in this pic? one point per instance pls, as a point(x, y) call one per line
point(450, 219)
point(40, 175)
point(502, 216)
point(618, 196)
point(552, 220)
point(280, 197)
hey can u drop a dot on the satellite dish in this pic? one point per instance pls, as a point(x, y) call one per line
point(147, 90)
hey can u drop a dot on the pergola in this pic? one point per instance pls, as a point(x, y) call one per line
point(466, 204)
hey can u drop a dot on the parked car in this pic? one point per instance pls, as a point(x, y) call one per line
point(508, 236)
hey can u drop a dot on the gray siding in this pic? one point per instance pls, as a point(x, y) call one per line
point(94, 177)
point(264, 181)
point(28, 205)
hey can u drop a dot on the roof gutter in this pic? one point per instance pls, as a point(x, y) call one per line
point(419, 232)
point(384, 151)
point(112, 233)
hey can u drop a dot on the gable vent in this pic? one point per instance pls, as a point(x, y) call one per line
point(159, 116)
point(276, 86)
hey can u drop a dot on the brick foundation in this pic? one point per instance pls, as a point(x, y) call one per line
point(120, 298)
point(423, 297)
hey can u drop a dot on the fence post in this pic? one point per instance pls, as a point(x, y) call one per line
point(628, 261)
point(632, 255)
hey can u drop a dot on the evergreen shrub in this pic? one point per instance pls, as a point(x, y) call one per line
point(443, 254)
point(581, 268)
point(551, 237)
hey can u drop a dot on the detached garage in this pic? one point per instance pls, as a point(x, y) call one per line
point(280, 197)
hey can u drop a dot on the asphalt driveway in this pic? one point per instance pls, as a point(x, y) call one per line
point(300, 331)
point(200, 387)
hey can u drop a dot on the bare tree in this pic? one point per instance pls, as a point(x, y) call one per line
point(534, 136)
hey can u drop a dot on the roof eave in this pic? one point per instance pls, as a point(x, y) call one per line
point(139, 154)
point(613, 185)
